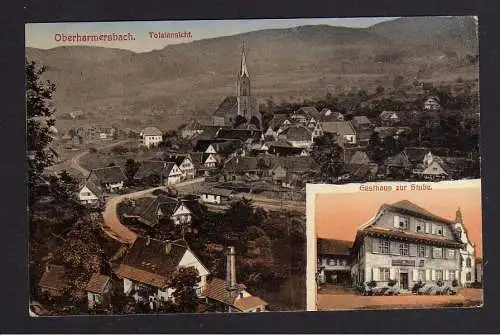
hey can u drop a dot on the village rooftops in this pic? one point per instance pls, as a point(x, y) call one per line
point(151, 261)
point(297, 133)
point(146, 209)
point(109, 175)
point(97, 283)
point(228, 105)
point(217, 290)
point(309, 110)
point(151, 131)
point(154, 168)
point(334, 247)
point(341, 128)
point(92, 187)
point(239, 134)
point(361, 120)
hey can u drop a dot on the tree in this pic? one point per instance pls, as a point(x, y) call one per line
point(39, 114)
point(239, 120)
point(327, 154)
point(183, 282)
point(131, 167)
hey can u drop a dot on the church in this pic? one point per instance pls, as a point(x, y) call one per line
point(241, 110)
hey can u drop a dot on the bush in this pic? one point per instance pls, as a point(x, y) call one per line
point(391, 282)
point(454, 283)
point(417, 286)
point(439, 283)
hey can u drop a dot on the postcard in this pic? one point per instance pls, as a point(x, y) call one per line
point(395, 245)
point(168, 160)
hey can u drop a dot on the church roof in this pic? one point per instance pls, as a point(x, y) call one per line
point(228, 105)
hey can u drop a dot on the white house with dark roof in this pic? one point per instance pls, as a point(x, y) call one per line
point(97, 289)
point(147, 267)
point(432, 104)
point(151, 136)
point(111, 178)
point(343, 129)
point(298, 136)
point(215, 195)
point(89, 194)
point(155, 172)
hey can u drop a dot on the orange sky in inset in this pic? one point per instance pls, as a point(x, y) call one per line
point(338, 215)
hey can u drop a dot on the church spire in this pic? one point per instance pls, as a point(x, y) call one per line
point(243, 68)
point(458, 216)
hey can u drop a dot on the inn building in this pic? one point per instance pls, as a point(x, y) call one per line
point(406, 243)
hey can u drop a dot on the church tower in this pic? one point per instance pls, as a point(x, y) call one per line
point(243, 87)
point(247, 106)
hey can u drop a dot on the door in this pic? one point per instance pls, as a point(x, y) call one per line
point(403, 280)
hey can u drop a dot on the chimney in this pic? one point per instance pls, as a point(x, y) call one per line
point(168, 247)
point(231, 270)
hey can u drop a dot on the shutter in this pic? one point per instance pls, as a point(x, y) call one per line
point(446, 274)
point(369, 243)
point(392, 273)
point(374, 244)
point(415, 275)
point(427, 227)
point(394, 248)
point(376, 274)
point(433, 275)
point(427, 274)
point(413, 249)
point(368, 275)
point(396, 221)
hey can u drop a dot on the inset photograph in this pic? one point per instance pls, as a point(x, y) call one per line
point(395, 245)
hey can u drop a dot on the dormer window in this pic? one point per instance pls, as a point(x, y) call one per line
point(403, 222)
point(420, 228)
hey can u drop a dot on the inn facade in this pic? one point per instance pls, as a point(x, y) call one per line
point(405, 244)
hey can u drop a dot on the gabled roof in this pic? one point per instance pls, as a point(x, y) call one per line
point(54, 278)
point(168, 205)
point(151, 168)
point(109, 175)
point(297, 133)
point(416, 154)
point(192, 125)
point(151, 131)
point(359, 157)
point(277, 121)
point(223, 192)
point(97, 283)
point(93, 188)
point(178, 159)
point(239, 134)
point(309, 110)
point(151, 261)
point(334, 247)
point(246, 163)
point(361, 120)
point(408, 207)
point(399, 160)
point(341, 128)
point(327, 115)
point(217, 290)
point(387, 115)
point(228, 105)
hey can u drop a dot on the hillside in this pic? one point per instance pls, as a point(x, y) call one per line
point(168, 86)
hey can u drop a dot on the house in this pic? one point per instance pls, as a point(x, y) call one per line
point(244, 135)
point(191, 129)
point(151, 136)
point(334, 263)
point(342, 129)
point(432, 104)
point(361, 123)
point(89, 194)
point(467, 274)
point(407, 160)
point(207, 132)
point(204, 161)
point(283, 148)
point(148, 265)
point(215, 195)
point(149, 210)
point(404, 243)
point(389, 118)
point(356, 157)
point(249, 166)
point(155, 173)
point(98, 289)
point(185, 164)
point(310, 111)
point(359, 172)
point(317, 130)
point(229, 296)
point(111, 178)
point(298, 136)
point(54, 281)
point(327, 115)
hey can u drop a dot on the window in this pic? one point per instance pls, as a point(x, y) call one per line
point(468, 276)
point(403, 222)
point(331, 262)
point(404, 249)
point(241, 295)
point(453, 275)
point(439, 275)
point(437, 253)
point(421, 250)
point(384, 246)
point(420, 228)
point(440, 230)
point(468, 262)
point(384, 274)
point(451, 254)
point(421, 275)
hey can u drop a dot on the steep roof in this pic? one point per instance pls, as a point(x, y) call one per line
point(109, 175)
point(361, 120)
point(93, 188)
point(239, 134)
point(54, 278)
point(341, 128)
point(217, 290)
point(151, 131)
point(151, 168)
point(277, 121)
point(408, 207)
point(228, 105)
point(359, 157)
point(309, 110)
point(334, 247)
point(297, 133)
point(97, 283)
point(151, 261)
point(416, 154)
point(327, 115)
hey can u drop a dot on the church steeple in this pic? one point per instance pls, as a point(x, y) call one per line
point(243, 67)
point(458, 216)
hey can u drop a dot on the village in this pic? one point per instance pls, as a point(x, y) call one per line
point(218, 210)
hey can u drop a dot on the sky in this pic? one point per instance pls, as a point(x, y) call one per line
point(338, 215)
point(43, 35)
